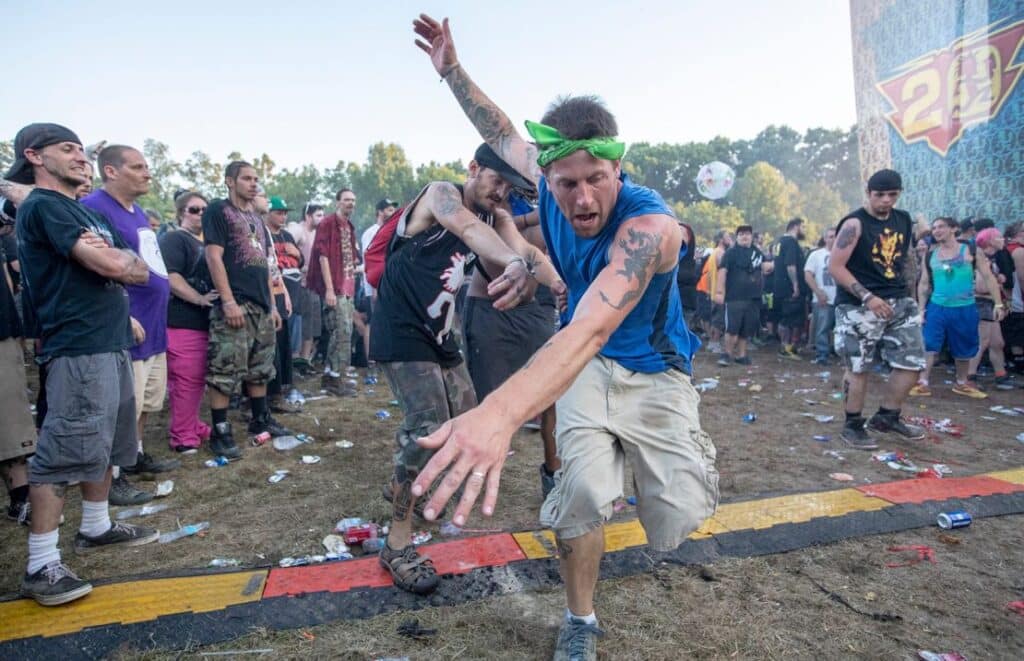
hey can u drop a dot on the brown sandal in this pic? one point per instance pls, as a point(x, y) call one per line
point(409, 570)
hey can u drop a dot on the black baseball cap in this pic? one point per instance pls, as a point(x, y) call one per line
point(485, 157)
point(885, 180)
point(385, 203)
point(35, 136)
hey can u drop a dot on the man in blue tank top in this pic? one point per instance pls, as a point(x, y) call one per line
point(619, 370)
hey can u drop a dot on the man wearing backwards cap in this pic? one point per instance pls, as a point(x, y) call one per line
point(74, 265)
point(873, 262)
point(620, 368)
point(438, 239)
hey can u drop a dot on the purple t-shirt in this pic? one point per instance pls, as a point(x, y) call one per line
point(148, 302)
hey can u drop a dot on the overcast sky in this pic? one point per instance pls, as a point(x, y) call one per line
point(318, 82)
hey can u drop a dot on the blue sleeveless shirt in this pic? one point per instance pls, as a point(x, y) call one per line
point(653, 337)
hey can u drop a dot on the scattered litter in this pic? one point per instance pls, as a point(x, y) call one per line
point(285, 443)
point(835, 454)
point(184, 531)
point(393, 402)
point(755, 388)
point(331, 430)
point(348, 522)
point(812, 402)
point(631, 500)
point(373, 545)
point(706, 384)
point(215, 462)
point(278, 476)
point(946, 426)
point(310, 459)
point(836, 395)
point(923, 553)
point(308, 635)
point(265, 650)
point(1020, 437)
point(822, 438)
point(824, 376)
point(370, 381)
point(313, 559)
point(750, 417)
point(1005, 410)
point(925, 655)
point(841, 477)
point(1016, 606)
point(164, 488)
point(870, 596)
point(382, 415)
point(224, 562)
point(619, 505)
point(804, 391)
point(954, 519)
point(412, 629)
point(343, 444)
point(896, 461)
point(260, 439)
point(316, 420)
point(316, 397)
point(145, 510)
point(335, 544)
point(987, 417)
point(449, 529)
point(358, 534)
point(421, 537)
point(743, 383)
point(819, 417)
point(369, 391)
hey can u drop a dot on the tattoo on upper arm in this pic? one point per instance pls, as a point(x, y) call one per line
point(448, 201)
point(643, 250)
point(485, 116)
point(846, 237)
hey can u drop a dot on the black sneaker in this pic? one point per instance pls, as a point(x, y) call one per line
point(891, 424)
point(54, 584)
point(856, 437)
point(1005, 382)
point(724, 360)
point(577, 641)
point(222, 441)
point(123, 493)
point(147, 464)
point(120, 534)
point(269, 425)
point(20, 512)
point(547, 481)
point(743, 360)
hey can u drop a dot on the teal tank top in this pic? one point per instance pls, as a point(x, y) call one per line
point(952, 279)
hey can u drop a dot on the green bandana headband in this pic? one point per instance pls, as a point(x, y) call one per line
point(553, 145)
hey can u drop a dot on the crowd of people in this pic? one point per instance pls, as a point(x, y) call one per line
point(568, 282)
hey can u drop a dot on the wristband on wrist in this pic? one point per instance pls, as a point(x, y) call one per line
point(450, 69)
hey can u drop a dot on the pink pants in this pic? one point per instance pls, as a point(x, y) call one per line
point(186, 383)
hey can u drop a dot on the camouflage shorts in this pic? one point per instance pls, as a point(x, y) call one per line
point(429, 395)
point(243, 354)
point(859, 332)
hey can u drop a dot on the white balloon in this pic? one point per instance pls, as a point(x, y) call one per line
point(715, 180)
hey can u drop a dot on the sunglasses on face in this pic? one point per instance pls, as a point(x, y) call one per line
point(195, 210)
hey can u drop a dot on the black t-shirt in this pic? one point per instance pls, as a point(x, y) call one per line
point(743, 280)
point(10, 248)
point(10, 323)
point(245, 243)
point(79, 312)
point(687, 274)
point(789, 254)
point(878, 258)
point(183, 254)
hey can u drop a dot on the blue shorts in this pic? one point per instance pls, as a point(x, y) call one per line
point(957, 327)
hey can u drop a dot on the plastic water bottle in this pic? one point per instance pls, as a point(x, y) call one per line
point(373, 545)
point(214, 463)
point(145, 510)
point(184, 531)
point(225, 562)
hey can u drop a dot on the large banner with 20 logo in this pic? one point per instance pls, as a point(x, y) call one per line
point(938, 100)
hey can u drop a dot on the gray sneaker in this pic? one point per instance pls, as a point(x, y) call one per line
point(123, 493)
point(857, 438)
point(891, 424)
point(577, 641)
point(120, 534)
point(54, 584)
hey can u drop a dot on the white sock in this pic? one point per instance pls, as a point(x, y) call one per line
point(42, 550)
point(95, 518)
point(116, 472)
point(589, 619)
point(140, 446)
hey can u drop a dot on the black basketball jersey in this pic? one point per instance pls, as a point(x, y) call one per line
point(416, 298)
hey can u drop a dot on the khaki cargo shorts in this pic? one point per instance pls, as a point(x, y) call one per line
point(611, 414)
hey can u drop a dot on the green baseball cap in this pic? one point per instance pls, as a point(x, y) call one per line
point(277, 204)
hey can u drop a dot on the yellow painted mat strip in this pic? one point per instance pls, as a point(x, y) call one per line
point(731, 517)
point(135, 601)
point(1014, 475)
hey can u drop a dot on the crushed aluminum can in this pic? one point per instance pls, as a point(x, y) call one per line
point(954, 519)
point(750, 417)
point(382, 415)
point(886, 457)
point(925, 655)
point(260, 439)
point(822, 438)
point(310, 459)
point(278, 476)
point(360, 533)
point(421, 537)
point(942, 469)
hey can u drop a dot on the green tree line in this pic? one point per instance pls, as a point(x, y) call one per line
point(781, 173)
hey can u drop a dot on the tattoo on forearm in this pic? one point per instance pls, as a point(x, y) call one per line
point(859, 290)
point(537, 353)
point(846, 237)
point(448, 200)
point(642, 252)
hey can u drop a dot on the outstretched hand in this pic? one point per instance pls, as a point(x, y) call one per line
point(509, 289)
point(437, 43)
point(472, 449)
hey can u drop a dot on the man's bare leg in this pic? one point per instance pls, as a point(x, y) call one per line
point(730, 345)
point(854, 388)
point(400, 533)
point(580, 562)
point(900, 383)
point(47, 505)
point(547, 435)
point(740, 347)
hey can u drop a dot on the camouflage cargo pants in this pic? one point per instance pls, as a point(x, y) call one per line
point(337, 323)
point(859, 332)
point(429, 395)
point(240, 355)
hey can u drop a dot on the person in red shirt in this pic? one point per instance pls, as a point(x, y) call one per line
point(332, 274)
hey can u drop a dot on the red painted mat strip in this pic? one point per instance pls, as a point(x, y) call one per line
point(456, 557)
point(919, 490)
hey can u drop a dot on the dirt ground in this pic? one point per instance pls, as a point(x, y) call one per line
point(774, 607)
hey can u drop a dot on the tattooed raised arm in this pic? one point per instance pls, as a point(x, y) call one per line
point(640, 259)
point(16, 193)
